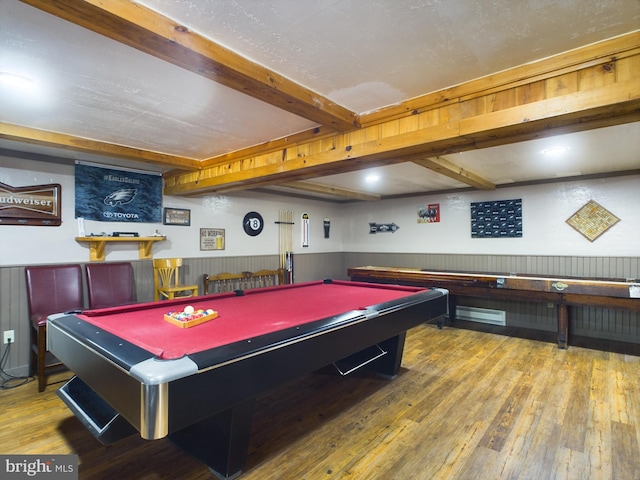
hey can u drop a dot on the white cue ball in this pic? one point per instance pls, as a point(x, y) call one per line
point(189, 309)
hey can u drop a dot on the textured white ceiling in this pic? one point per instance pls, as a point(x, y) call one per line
point(368, 54)
point(364, 55)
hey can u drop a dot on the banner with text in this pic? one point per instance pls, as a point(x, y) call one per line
point(109, 195)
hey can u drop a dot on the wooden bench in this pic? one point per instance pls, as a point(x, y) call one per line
point(228, 282)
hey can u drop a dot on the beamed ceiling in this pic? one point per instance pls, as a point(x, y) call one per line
point(305, 97)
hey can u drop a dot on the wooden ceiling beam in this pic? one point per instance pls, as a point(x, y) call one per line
point(598, 54)
point(331, 190)
point(617, 102)
point(34, 136)
point(444, 167)
point(146, 30)
point(591, 87)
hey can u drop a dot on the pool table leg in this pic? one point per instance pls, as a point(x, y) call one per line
point(451, 311)
point(220, 441)
point(388, 365)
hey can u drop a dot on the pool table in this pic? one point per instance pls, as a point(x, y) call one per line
point(136, 372)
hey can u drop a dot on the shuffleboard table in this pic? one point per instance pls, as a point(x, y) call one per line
point(137, 372)
point(563, 292)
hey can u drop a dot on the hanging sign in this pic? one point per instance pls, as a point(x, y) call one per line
point(327, 226)
point(305, 229)
point(382, 227)
point(35, 205)
point(429, 214)
point(117, 195)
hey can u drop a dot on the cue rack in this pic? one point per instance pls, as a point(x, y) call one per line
point(285, 244)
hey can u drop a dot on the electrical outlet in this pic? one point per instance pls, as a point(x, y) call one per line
point(9, 336)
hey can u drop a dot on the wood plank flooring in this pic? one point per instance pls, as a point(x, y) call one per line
point(467, 405)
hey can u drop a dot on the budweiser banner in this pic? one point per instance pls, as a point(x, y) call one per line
point(34, 205)
point(109, 195)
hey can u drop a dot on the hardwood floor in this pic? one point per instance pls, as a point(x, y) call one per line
point(467, 405)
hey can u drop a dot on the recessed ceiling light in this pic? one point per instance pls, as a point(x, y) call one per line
point(555, 151)
point(15, 80)
point(372, 178)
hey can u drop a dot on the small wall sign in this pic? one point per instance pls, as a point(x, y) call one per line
point(305, 229)
point(176, 216)
point(429, 214)
point(252, 224)
point(382, 228)
point(212, 239)
point(35, 205)
point(326, 223)
point(592, 220)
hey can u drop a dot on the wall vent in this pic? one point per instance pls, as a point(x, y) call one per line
point(482, 315)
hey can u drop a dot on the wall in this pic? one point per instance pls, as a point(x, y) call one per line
point(545, 231)
point(548, 244)
point(39, 245)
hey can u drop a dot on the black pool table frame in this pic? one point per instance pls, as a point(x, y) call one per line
point(204, 401)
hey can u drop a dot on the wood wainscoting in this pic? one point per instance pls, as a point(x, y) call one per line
point(466, 405)
point(589, 321)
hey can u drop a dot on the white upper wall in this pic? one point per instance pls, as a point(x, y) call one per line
point(545, 232)
point(22, 245)
point(545, 209)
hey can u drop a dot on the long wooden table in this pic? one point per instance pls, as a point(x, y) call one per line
point(563, 292)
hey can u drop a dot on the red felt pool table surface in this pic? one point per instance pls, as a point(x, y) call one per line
point(257, 312)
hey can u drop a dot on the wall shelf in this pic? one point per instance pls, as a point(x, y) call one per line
point(97, 245)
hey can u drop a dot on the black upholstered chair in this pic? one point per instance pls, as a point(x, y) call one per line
point(109, 284)
point(50, 289)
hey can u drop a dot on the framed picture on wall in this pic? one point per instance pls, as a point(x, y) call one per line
point(177, 216)
point(212, 239)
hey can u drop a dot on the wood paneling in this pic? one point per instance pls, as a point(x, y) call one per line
point(593, 322)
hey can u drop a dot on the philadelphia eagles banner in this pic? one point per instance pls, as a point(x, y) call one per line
point(109, 195)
